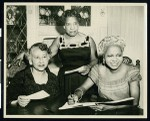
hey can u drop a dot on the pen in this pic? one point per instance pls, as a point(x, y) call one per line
point(70, 94)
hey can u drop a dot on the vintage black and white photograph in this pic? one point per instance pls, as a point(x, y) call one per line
point(75, 60)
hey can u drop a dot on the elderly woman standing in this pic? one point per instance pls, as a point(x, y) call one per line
point(115, 80)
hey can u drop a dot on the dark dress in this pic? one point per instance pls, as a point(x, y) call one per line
point(23, 84)
point(73, 56)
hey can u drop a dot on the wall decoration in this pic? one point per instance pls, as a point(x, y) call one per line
point(16, 31)
point(15, 15)
point(85, 13)
point(50, 15)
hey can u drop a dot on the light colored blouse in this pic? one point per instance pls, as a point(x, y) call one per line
point(114, 89)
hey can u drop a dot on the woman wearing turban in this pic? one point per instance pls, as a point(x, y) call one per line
point(115, 80)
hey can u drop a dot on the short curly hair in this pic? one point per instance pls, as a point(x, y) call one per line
point(71, 13)
point(110, 41)
point(41, 46)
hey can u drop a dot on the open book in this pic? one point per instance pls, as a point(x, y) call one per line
point(84, 104)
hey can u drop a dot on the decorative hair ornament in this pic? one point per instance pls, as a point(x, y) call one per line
point(110, 41)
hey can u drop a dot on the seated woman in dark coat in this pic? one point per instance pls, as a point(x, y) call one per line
point(34, 78)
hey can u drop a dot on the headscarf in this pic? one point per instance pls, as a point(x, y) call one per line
point(110, 41)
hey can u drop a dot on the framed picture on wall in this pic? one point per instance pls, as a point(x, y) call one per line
point(85, 14)
point(52, 15)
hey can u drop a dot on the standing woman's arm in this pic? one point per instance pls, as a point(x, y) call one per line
point(54, 47)
point(94, 59)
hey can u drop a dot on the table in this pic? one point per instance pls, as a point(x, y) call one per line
point(50, 107)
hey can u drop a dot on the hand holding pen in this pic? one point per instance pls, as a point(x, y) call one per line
point(72, 99)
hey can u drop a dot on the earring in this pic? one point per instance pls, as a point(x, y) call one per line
point(103, 61)
point(30, 62)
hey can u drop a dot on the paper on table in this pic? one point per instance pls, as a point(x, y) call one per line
point(66, 106)
point(118, 101)
point(38, 95)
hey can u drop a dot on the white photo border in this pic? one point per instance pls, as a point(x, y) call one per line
point(80, 116)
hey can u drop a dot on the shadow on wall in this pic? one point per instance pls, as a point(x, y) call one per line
point(60, 30)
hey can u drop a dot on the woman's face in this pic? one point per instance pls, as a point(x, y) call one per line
point(39, 59)
point(113, 57)
point(71, 26)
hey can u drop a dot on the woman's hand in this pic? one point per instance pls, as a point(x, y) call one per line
point(18, 60)
point(84, 70)
point(72, 99)
point(20, 57)
point(23, 100)
point(103, 107)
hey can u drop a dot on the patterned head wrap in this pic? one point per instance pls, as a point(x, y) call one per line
point(110, 41)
